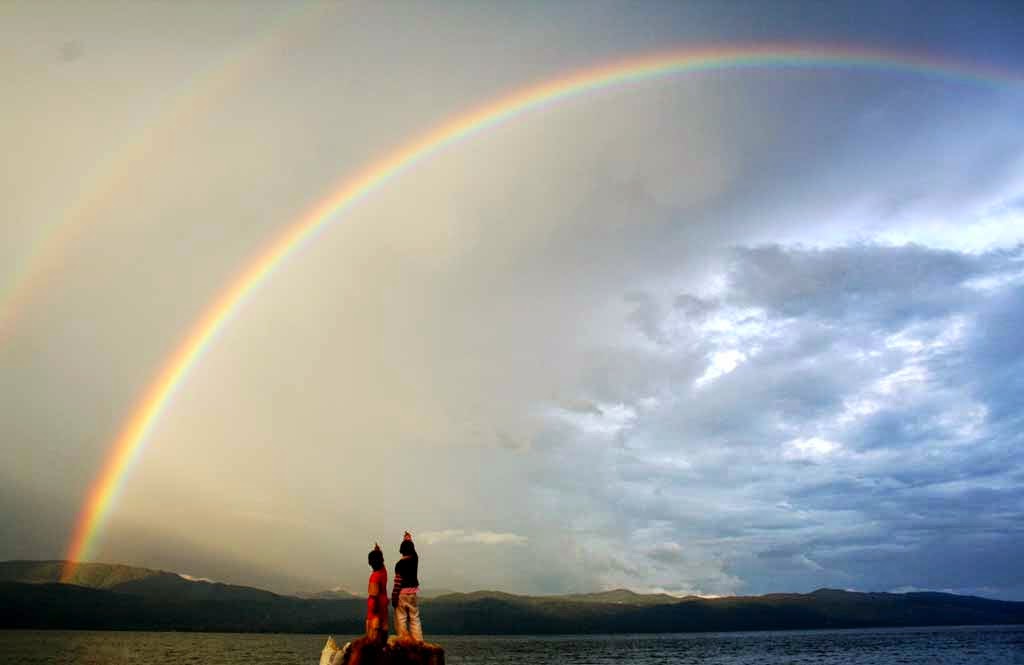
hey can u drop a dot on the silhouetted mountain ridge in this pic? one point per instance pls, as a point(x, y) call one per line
point(122, 597)
point(615, 597)
point(129, 579)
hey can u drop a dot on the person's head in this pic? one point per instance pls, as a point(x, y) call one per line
point(407, 548)
point(375, 558)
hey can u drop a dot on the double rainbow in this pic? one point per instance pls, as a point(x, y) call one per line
point(132, 439)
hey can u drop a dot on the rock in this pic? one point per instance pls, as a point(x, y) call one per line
point(332, 654)
point(396, 652)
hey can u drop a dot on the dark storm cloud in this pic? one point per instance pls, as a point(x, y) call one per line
point(997, 347)
point(872, 423)
point(860, 285)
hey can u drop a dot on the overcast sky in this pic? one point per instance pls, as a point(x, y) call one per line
point(724, 333)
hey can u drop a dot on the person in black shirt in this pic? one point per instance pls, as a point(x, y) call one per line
point(404, 593)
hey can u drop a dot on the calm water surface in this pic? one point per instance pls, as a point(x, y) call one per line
point(997, 645)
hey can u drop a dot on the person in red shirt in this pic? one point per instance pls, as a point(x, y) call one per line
point(377, 602)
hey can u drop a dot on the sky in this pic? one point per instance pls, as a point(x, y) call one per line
point(731, 332)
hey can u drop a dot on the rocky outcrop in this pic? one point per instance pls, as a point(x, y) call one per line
point(364, 651)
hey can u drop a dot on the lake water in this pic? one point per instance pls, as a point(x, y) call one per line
point(976, 645)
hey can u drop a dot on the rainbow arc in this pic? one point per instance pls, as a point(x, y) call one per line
point(131, 441)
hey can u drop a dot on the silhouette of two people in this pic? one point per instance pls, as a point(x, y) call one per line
point(404, 594)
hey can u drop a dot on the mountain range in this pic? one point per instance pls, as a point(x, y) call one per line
point(118, 597)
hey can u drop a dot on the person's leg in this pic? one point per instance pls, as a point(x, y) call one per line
point(401, 617)
point(415, 629)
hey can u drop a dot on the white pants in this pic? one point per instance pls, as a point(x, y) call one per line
point(407, 611)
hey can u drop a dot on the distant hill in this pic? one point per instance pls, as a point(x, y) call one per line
point(129, 580)
point(493, 612)
point(614, 597)
point(67, 606)
point(625, 597)
point(122, 597)
point(93, 575)
point(431, 592)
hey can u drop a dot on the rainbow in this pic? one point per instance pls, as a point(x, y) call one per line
point(132, 438)
point(122, 166)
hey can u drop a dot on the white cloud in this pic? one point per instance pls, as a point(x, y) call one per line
point(857, 407)
point(806, 561)
point(910, 588)
point(1000, 227)
point(472, 537)
point(190, 578)
point(902, 382)
point(721, 363)
point(600, 419)
point(813, 449)
point(997, 281)
point(915, 340)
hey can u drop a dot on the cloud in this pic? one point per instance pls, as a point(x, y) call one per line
point(870, 372)
point(813, 449)
point(861, 284)
point(192, 578)
point(472, 537)
point(720, 364)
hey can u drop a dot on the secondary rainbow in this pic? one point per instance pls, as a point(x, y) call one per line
point(124, 165)
point(132, 438)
